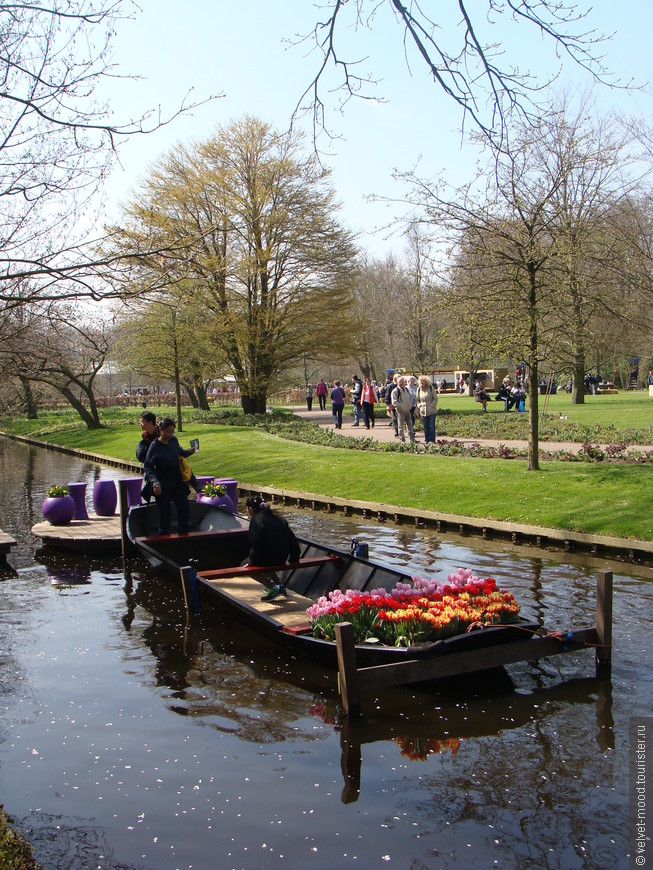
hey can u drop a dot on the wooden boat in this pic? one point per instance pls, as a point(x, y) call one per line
point(217, 543)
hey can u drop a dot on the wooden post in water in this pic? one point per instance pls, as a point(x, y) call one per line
point(347, 675)
point(190, 588)
point(128, 549)
point(604, 617)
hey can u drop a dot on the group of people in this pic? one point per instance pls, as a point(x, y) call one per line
point(406, 399)
point(160, 452)
point(512, 396)
point(271, 540)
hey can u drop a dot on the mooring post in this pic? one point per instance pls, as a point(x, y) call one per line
point(604, 616)
point(190, 588)
point(347, 675)
point(128, 549)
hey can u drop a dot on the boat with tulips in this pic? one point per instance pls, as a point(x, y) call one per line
point(395, 616)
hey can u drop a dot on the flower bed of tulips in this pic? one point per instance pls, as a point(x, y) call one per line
point(419, 612)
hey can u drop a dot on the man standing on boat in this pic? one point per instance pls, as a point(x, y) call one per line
point(149, 433)
point(271, 541)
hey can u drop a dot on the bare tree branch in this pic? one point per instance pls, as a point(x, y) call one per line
point(467, 67)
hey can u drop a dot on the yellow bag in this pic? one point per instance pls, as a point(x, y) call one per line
point(185, 470)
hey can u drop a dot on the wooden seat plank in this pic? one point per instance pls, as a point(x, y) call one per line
point(238, 570)
point(287, 610)
point(205, 533)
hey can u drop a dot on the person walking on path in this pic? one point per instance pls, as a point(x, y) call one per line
point(392, 414)
point(322, 392)
point(427, 404)
point(337, 404)
point(412, 386)
point(369, 397)
point(309, 397)
point(355, 397)
point(402, 402)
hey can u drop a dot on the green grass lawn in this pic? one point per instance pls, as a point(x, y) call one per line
point(604, 499)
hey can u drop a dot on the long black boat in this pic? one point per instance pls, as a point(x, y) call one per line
point(216, 545)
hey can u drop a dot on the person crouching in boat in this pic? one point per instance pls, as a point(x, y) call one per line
point(271, 541)
point(162, 473)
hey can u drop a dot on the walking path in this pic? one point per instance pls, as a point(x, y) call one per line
point(383, 431)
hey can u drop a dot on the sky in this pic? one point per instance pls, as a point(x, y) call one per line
point(243, 51)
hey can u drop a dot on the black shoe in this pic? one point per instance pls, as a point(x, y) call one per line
point(273, 592)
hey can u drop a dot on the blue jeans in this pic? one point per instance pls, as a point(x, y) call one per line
point(429, 428)
point(358, 414)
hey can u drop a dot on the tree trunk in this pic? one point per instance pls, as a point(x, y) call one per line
point(30, 402)
point(533, 376)
point(83, 412)
point(175, 348)
point(202, 399)
point(190, 389)
point(533, 419)
point(578, 385)
point(254, 404)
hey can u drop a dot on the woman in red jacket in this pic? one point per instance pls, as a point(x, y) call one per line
point(369, 397)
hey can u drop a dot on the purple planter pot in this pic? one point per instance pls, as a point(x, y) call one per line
point(133, 487)
point(232, 489)
point(59, 511)
point(105, 497)
point(77, 491)
point(219, 501)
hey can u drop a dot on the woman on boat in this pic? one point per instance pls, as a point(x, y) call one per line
point(271, 541)
point(163, 474)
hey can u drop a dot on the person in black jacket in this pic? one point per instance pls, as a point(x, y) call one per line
point(149, 433)
point(164, 477)
point(271, 541)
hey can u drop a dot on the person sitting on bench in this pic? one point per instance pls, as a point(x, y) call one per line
point(505, 394)
point(271, 541)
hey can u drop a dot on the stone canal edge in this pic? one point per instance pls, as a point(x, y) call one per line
point(538, 537)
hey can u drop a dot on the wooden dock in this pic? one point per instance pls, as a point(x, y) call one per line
point(6, 543)
point(91, 535)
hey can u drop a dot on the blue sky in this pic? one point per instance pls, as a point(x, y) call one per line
point(241, 50)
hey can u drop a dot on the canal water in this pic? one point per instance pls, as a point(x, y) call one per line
point(132, 737)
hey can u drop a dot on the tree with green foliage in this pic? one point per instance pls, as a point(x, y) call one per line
point(250, 222)
point(166, 338)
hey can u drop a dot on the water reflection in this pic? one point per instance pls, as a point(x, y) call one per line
point(234, 681)
point(135, 736)
point(459, 719)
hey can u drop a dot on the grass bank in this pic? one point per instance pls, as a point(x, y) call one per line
point(596, 498)
point(15, 851)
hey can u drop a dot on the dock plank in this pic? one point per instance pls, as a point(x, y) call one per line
point(94, 530)
point(6, 543)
